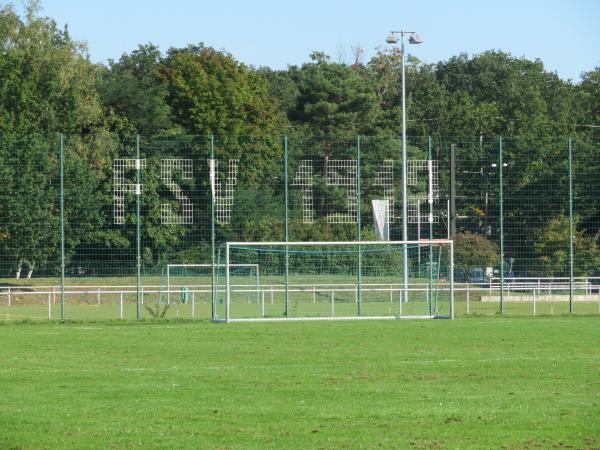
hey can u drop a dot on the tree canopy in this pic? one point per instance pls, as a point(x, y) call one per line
point(177, 98)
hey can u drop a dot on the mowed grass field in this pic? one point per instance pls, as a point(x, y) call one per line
point(425, 384)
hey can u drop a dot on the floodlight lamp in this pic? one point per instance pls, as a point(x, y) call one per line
point(392, 39)
point(415, 39)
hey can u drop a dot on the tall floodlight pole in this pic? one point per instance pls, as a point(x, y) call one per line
point(413, 39)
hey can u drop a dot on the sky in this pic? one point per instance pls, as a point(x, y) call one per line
point(564, 34)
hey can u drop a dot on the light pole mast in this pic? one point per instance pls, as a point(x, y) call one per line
point(413, 39)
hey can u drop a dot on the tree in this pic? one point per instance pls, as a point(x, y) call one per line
point(588, 93)
point(472, 251)
point(552, 249)
point(46, 80)
point(133, 89)
point(282, 89)
point(528, 99)
point(333, 99)
point(210, 92)
point(47, 85)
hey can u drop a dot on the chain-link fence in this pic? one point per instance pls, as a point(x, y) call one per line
point(112, 227)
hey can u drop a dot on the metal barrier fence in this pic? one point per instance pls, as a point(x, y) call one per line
point(194, 302)
point(108, 210)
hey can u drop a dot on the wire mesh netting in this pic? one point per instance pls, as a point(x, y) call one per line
point(110, 213)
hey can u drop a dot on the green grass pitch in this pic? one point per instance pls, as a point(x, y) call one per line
point(469, 383)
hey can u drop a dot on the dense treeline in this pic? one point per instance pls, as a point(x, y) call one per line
point(48, 85)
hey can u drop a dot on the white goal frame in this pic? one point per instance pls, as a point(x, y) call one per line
point(433, 242)
point(210, 266)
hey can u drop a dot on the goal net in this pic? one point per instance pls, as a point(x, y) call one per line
point(336, 280)
point(179, 279)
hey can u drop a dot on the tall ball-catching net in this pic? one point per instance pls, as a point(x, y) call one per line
point(335, 280)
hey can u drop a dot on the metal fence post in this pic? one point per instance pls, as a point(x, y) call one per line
point(358, 220)
point(213, 295)
point(287, 236)
point(570, 226)
point(501, 170)
point(138, 193)
point(430, 219)
point(62, 227)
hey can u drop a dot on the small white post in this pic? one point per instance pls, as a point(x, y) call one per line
point(121, 306)
point(534, 303)
point(98, 296)
point(391, 294)
point(314, 294)
point(400, 298)
point(9, 298)
point(227, 283)
point(271, 294)
point(54, 295)
point(332, 304)
point(168, 285)
point(468, 299)
point(262, 304)
point(193, 305)
point(142, 299)
point(451, 279)
point(588, 286)
point(257, 286)
point(49, 306)
point(599, 300)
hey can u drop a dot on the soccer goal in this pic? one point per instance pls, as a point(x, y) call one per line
point(184, 276)
point(336, 280)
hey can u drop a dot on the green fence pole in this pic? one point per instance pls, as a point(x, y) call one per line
point(138, 192)
point(287, 262)
point(430, 218)
point(358, 211)
point(62, 227)
point(570, 225)
point(213, 296)
point(501, 170)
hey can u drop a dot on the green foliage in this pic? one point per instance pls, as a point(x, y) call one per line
point(552, 248)
point(158, 310)
point(514, 96)
point(333, 99)
point(210, 92)
point(472, 251)
point(47, 84)
point(589, 99)
point(133, 89)
point(46, 81)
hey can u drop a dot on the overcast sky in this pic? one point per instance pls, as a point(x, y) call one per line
point(565, 35)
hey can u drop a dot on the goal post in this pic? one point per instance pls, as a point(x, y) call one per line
point(321, 281)
point(191, 275)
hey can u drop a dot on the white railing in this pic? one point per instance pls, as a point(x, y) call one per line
point(535, 288)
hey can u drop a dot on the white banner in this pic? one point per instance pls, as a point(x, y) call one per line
point(381, 219)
